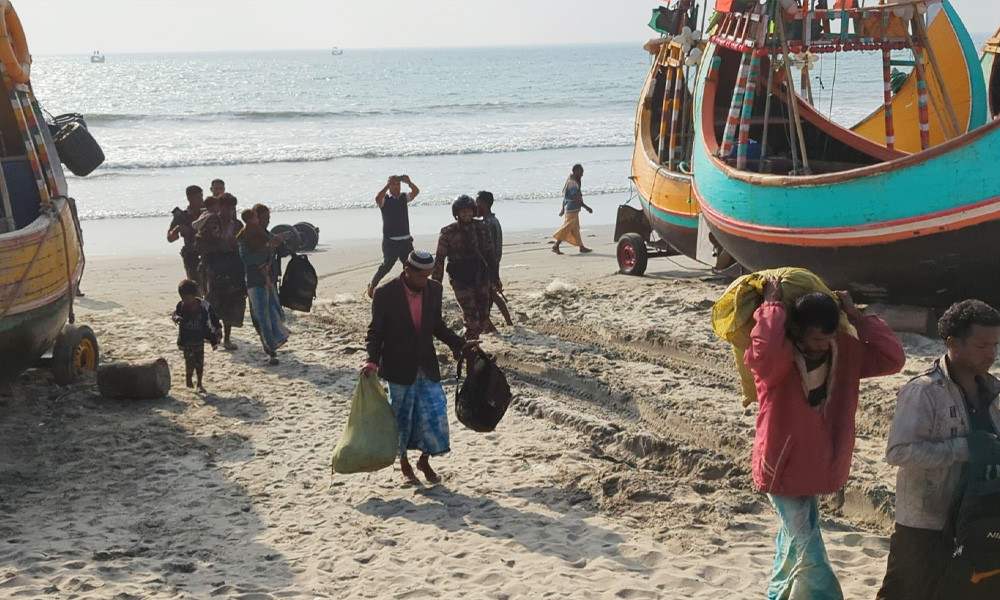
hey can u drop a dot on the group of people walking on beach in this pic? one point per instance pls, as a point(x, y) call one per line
point(226, 261)
point(807, 355)
point(407, 314)
point(807, 367)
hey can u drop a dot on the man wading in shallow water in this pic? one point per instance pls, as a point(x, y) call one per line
point(397, 242)
point(406, 317)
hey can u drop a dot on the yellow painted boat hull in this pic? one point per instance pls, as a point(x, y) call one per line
point(40, 269)
point(665, 194)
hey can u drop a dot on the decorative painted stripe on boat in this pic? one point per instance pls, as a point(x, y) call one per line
point(860, 235)
point(677, 219)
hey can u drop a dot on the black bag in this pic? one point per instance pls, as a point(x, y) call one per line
point(974, 571)
point(483, 398)
point(977, 525)
point(298, 284)
point(468, 272)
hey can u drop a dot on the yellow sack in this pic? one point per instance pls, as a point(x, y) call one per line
point(370, 441)
point(732, 314)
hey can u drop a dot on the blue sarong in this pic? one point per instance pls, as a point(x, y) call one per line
point(802, 570)
point(270, 317)
point(421, 415)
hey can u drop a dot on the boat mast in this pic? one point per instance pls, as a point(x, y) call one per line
point(776, 15)
point(921, 32)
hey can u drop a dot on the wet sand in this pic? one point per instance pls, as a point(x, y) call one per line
point(621, 470)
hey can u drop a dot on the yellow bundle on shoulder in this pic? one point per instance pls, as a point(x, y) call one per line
point(732, 314)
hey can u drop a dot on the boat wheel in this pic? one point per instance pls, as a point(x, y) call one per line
point(75, 352)
point(632, 255)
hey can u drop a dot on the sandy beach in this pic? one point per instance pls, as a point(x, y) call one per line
point(622, 469)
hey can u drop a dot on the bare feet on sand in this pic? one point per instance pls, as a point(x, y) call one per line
point(556, 249)
point(584, 250)
point(424, 465)
point(409, 477)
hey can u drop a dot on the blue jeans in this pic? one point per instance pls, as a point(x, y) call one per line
point(802, 570)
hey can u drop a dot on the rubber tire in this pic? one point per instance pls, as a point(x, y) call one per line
point(631, 254)
point(308, 235)
point(293, 243)
point(74, 352)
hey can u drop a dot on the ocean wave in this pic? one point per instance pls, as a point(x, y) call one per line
point(267, 115)
point(323, 155)
point(300, 206)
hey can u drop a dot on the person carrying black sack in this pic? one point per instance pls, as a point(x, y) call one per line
point(467, 248)
point(943, 418)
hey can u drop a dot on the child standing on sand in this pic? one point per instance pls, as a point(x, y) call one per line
point(197, 323)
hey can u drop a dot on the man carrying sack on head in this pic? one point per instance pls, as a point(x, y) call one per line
point(406, 317)
point(807, 374)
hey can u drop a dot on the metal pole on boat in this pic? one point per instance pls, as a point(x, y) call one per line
point(748, 100)
point(918, 67)
point(676, 64)
point(890, 128)
point(921, 31)
point(665, 107)
point(686, 137)
point(792, 99)
point(767, 111)
point(735, 106)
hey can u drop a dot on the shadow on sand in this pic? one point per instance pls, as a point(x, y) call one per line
point(567, 536)
point(118, 492)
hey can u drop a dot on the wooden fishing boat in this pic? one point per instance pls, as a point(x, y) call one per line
point(908, 227)
point(41, 250)
point(667, 219)
point(661, 159)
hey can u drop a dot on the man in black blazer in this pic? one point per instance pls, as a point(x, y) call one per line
point(406, 317)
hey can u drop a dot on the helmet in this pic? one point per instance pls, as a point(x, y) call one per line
point(461, 203)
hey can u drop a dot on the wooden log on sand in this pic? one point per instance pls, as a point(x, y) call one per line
point(145, 380)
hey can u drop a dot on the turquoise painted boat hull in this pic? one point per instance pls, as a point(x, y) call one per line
point(680, 231)
point(919, 229)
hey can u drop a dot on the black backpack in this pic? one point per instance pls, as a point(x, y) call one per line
point(977, 531)
point(482, 399)
point(298, 284)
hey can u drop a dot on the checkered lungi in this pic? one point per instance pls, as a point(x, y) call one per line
point(421, 415)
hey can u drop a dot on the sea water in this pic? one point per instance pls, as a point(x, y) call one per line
point(306, 131)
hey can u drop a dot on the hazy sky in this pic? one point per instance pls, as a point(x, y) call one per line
point(74, 26)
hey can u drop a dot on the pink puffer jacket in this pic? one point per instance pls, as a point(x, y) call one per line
point(799, 450)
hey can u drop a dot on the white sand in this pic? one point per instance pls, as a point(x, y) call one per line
point(621, 471)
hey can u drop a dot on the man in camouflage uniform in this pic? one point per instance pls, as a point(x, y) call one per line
point(472, 267)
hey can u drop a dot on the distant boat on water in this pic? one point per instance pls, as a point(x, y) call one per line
point(96, 57)
point(337, 51)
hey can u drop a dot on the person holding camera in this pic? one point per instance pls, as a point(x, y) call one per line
point(181, 227)
point(397, 243)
